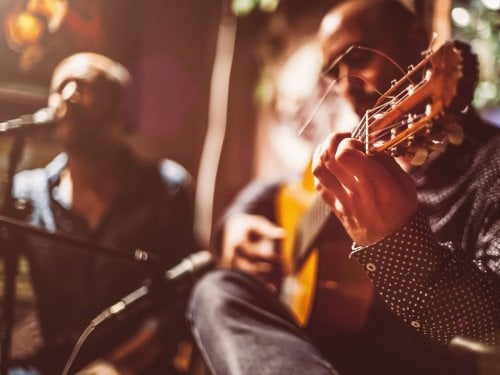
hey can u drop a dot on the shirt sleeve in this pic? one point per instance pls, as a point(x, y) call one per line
point(439, 290)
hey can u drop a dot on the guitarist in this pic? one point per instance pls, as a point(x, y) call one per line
point(426, 238)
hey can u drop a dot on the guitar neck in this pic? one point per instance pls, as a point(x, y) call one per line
point(309, 229)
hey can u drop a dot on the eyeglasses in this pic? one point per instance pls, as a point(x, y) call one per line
point(355, 57)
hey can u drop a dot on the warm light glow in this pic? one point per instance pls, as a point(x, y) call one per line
point(298, 77)
point(52, 10)
point(460, 16)
point(269, 5)
point(242, 7)
point(329, 24)
point(22, 29)
point(491, 4)
point(27, 25)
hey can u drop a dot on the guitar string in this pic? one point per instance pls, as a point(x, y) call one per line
point(382, 134)
point(330, 86)
point(327, 92)
point(336, 62)
point(360, 130)
point(390, 101)
point(365, 122)
point(393, 102)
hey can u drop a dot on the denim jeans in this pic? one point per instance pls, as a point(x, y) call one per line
point(241, 328)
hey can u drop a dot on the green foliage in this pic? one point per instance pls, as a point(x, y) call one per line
point(244, 7)
point(483, 33)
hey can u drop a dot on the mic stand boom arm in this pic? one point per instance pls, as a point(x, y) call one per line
point(81, 243)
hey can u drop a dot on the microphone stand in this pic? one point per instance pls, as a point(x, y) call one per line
point(81, 243)
point(10, 256)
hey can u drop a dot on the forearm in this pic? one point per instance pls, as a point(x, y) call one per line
point(436, 289)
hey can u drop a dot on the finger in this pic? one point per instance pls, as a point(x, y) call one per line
point(245, 264)
point(326, 181)
point(401, 177)
point(334, 151)
point(227, 256)
point(349, 160)
point(326, 150)
point(374, 175)
point(265, 250)
point(328, 185)
point(263, 228)
point(340, 207)
point(270, 275)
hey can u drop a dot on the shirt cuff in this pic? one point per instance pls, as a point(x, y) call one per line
point(412, 250)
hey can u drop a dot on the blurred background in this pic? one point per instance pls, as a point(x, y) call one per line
point(221, 86)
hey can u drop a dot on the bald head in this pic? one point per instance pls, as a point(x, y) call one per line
point(87, 66)
point(87, 93)
point(370, 14)
point(371, 22)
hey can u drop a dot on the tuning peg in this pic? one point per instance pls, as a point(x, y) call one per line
point(455, 133)
point(437, 146)
point(394, 132)
point(410, 140)
point(409, 120)
point(420, 156)
point(428, 110)
point(410, 89)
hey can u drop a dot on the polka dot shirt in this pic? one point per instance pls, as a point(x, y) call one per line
point(440, 272)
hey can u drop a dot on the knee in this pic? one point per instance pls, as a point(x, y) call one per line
point(205, 291)
point(217, 293)
point(208, 296)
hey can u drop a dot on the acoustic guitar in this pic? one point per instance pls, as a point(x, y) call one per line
point(416, 116)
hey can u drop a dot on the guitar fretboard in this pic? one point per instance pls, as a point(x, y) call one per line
point(309, 228)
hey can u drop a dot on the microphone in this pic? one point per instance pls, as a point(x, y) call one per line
point(183, 275)
point(42, 118)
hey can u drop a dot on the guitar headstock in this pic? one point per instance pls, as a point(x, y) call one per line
point(418, 114)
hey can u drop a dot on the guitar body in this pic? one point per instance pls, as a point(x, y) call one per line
point(297, 290)
point(327, 288)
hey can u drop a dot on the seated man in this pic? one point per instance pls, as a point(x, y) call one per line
point(426, 238)
point(98, 189)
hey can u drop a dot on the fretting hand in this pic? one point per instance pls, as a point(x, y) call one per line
point(250, 244)
point(370, 194)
